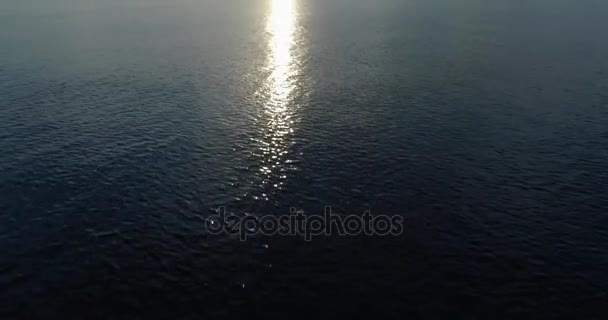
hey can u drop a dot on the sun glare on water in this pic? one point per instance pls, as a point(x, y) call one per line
point(281, 27)
point(277, 117)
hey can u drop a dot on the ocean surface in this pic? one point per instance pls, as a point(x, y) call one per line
point(125, 124)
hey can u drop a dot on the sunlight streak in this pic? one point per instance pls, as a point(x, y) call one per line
point(281, 26)
point(277, 117)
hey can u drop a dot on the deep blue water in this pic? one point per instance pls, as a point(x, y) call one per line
point(124, 124)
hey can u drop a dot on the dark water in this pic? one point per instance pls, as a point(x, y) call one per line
point(124, 124)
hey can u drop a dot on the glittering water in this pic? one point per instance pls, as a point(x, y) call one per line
point(124, 124)
point(278, 112)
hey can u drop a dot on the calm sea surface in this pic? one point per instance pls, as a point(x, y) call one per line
point(125, 124)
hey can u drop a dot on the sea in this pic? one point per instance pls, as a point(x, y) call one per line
point(126, 125)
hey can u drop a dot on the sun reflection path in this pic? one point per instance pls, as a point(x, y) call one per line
point(277, 118)
point(281, 25)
